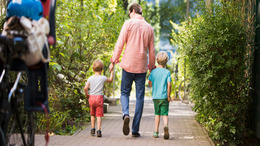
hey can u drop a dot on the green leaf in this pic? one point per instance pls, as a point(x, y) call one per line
point(55, 65)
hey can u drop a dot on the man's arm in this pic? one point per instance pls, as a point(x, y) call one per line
point(169, 91)
point(120, 44)
point(86, 90)
point(151, 52)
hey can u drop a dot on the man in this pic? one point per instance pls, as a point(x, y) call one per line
point(137, 36)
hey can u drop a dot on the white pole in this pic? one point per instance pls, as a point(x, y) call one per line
point(114, 82)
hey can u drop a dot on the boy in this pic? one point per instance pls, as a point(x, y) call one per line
point(95, 96)
point(160, 81)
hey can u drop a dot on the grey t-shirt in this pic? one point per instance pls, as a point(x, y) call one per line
point(96, 84)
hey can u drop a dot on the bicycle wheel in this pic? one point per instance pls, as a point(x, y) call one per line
point(184, 89)
point(21, 127)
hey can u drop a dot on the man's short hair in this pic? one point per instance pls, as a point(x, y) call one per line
point(98, 65)
point(137, 8)
point(162, 58)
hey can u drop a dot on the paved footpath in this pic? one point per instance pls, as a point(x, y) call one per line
point(184, 130)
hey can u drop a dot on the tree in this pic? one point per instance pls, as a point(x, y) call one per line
point(175, 11)
point(218, 50)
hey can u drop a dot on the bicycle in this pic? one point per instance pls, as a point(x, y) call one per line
point(12, 103)
point(184, 90)
point(19, 102)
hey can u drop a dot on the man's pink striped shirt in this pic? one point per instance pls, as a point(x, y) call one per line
point(137, 36)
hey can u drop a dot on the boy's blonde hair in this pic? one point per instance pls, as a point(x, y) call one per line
point(98, 65)
point(162, 58)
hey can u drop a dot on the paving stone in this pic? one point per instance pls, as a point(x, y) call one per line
point(183, 129)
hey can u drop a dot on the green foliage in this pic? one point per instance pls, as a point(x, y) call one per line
point(215, 47)
point(3, 4)
point(2, 20)
point(152, 16)
point(175, 11)
point(57, 118)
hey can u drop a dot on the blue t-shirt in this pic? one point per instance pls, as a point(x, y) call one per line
point(160, 77)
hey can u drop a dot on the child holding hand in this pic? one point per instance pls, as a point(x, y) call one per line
point(160, 81)
point(95, 96)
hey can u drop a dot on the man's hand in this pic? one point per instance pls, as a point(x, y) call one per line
point(150, 69)
point(111, 66)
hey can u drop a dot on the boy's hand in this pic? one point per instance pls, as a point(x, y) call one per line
point(169, 99)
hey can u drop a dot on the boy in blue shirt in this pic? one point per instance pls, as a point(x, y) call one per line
point(160, 81)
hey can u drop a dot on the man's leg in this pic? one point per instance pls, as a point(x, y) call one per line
point(126, 86)
point(140, 89)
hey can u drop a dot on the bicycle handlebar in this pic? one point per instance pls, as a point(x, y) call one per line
point(16, 41)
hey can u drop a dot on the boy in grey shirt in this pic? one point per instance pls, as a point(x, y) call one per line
point(95, 96)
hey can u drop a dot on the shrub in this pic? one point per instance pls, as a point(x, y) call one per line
point(215, 46)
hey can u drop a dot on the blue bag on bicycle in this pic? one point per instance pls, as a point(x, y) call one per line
point(27, 8)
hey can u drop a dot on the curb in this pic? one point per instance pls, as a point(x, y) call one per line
point(210, 140)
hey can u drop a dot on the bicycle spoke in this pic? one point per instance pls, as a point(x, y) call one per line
point(2, 75)
point(15, 86)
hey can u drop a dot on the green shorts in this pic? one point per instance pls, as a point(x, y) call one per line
point(161, 107)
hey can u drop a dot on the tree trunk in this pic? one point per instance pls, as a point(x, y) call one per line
point(80, 37)
point(188, 10)
point(208, 5)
